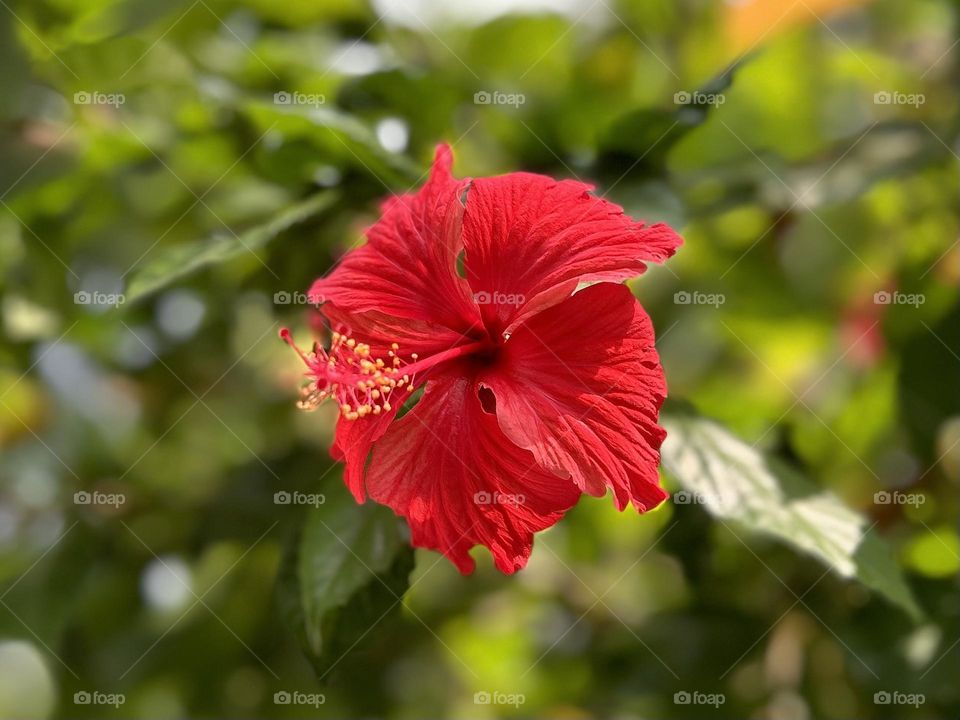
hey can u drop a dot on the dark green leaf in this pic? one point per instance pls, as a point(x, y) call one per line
point(174, 263)
point(348, 570)
point(640, 140)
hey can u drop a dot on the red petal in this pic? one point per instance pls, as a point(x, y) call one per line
point(352, 443)
point(439, 464)
point(380, 330)
point(408, 266)
point(530, 240)
point(580, 386)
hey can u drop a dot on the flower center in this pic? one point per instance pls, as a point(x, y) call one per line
point(360, 383)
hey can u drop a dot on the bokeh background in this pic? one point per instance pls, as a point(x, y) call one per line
point(174, 174)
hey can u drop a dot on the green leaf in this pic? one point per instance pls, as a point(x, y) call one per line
point(640, 140)
point(348, 570)
point(337, 136)
point(734, 481)
point(179, 261)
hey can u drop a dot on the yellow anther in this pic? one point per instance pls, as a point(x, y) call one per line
point(360, 383)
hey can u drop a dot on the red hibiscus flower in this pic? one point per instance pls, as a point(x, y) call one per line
point(533, 392)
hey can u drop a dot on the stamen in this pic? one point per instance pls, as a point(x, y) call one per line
point(360, 384)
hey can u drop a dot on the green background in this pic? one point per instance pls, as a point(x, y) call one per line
point(183, 187)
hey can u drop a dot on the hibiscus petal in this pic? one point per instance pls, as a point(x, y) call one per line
point(580, 385)
point(530, 239)
point(380, 331)
point(352, 443)
point(407, 268)
point(447, 468)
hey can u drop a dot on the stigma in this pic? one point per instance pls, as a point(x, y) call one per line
point(348, 373)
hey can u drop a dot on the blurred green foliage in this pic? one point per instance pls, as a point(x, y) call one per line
point(174, 174)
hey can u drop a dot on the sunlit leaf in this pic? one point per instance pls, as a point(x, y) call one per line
point(736, 482)
point(336, 134)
